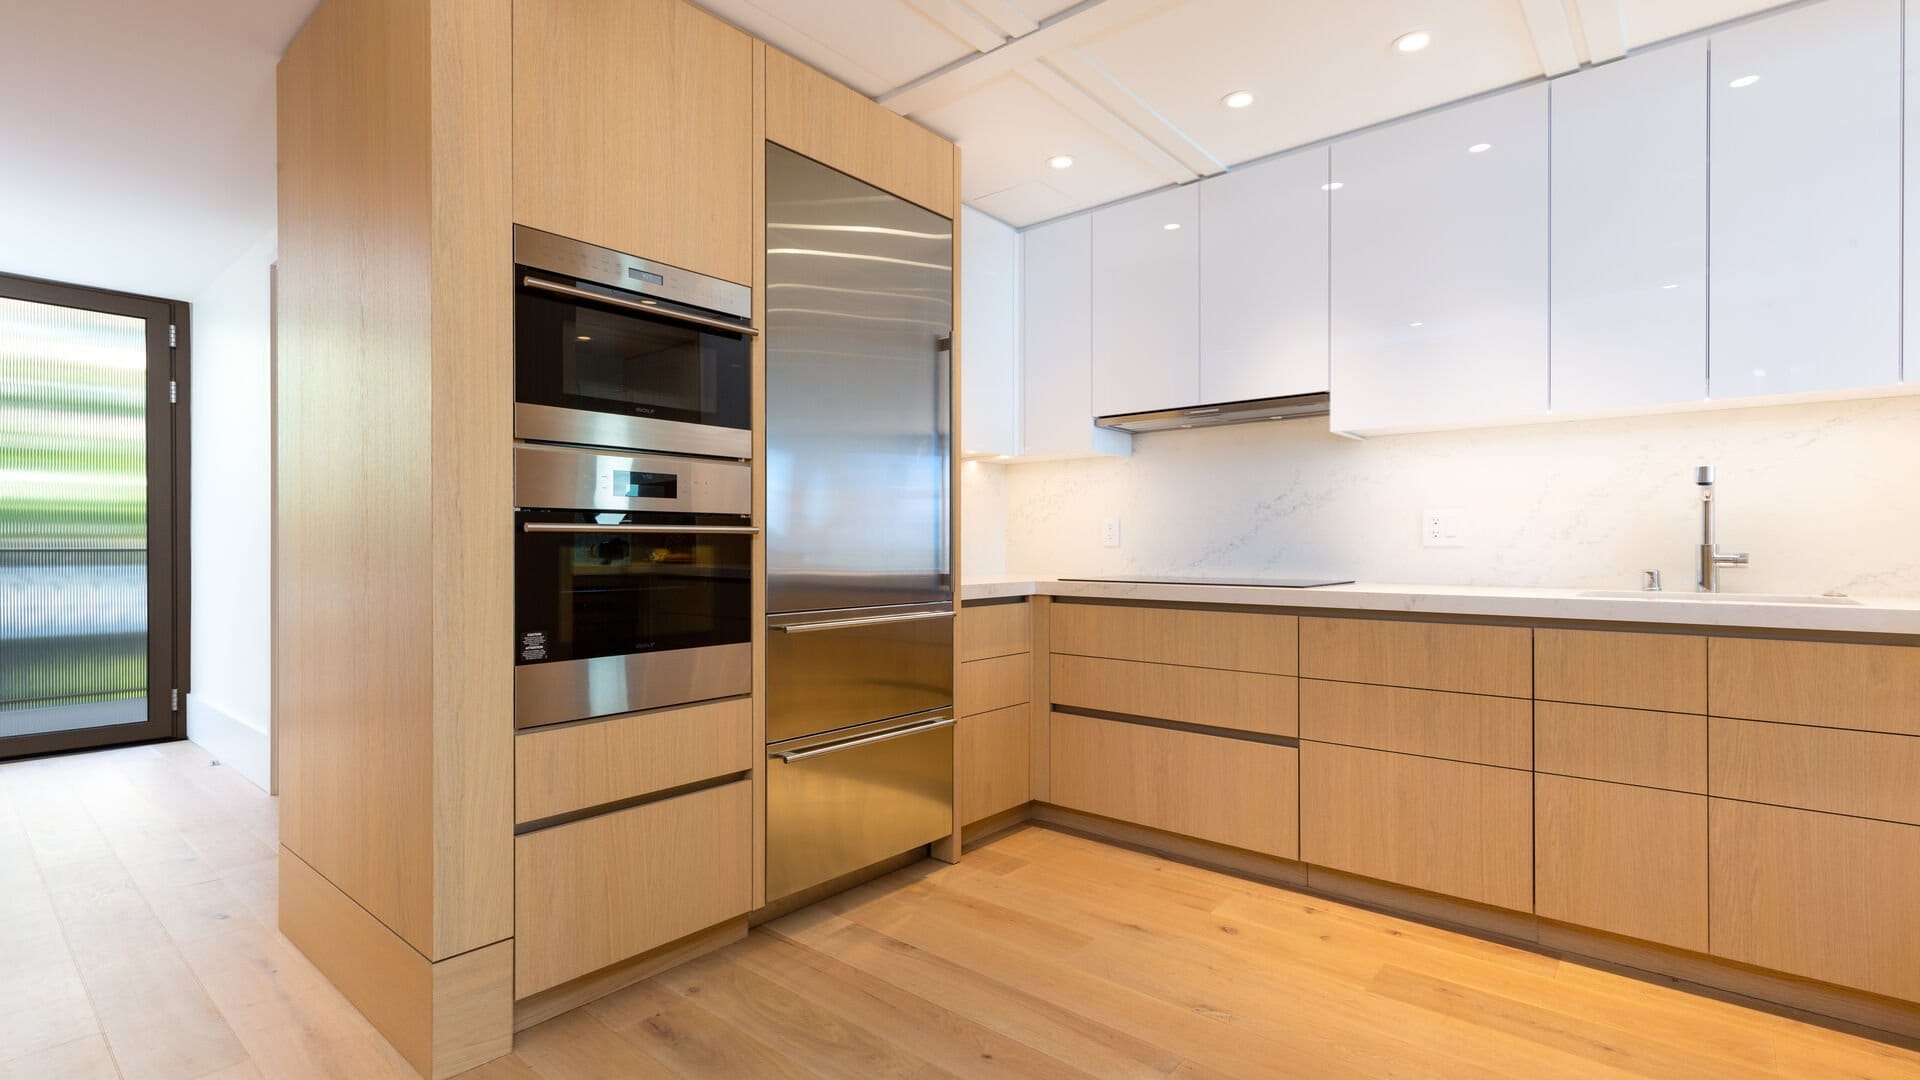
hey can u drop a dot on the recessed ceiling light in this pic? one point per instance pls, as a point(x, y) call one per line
point(1416, 324)
point(1479, 148)
point(582, 337)
point(1060, 161)
point(1744, 81)
point(1239, 99)
point(1671, 285)
point(1412, 41)
point(1332, 186)
point(1171, 225)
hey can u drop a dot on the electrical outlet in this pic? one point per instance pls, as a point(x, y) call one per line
point(1110, 533)
point(1443, 528)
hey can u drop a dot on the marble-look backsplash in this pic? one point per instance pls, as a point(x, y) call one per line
point(1826, 496)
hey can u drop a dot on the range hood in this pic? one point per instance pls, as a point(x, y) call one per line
point(1293, 407)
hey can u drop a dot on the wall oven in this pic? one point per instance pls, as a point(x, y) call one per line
point(614, 350)
point(633, 582)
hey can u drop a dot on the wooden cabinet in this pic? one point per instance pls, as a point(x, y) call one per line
point(992, 753)
point(1263, 279)
point(1806, 200)
point(1056, 345)
point(989, 333)
point(1862, 773)
point(1425, 655)
point(989, 630)
point(1627, 860)
point(1666, 672)
point(597, 891)
point(1463, 727)
point(1444, 826)
point(1146, 303)
point(571, 767)
point(1818, 895)
point(1828, 684)
point(633, 129)
point(1209, 697)
point(1625, 746)
point(993, 683)
point(832, 123)
point(1242, 641)
point(1229, 791)
point(1439, 273)
point(1630, 232)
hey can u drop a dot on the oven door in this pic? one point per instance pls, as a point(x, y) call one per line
point(597, 368)
point(617, 612)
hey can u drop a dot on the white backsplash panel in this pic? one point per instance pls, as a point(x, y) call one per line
point(1826, 496)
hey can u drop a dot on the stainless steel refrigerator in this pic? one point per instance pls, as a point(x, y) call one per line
point(860, 717)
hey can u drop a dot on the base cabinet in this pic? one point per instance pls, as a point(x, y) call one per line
point(992, 755)
point(1627, 860)
point(1444, 826)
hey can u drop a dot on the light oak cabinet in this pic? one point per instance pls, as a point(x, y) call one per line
point(1860, 773)
point(633, 129)
point(1624, 746)
point(1462, 727)
point(1237, 640)
point(990, 630)
point(1208, 697)
point(993, 737)
point(1627, 860)
point(571, 767)
point(1263, 279)
point(1146, 303)
point(1826, 684)
point(1056, 345)
point(1665, 672)
point(810, 113)
point(1424, 655)
point(993, 683)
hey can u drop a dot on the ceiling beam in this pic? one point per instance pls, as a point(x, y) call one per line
point(962, 22)
point(1001, 14)
point(1552, 30)
point(1116, 99)
point(1605, 27)
point(1077, 101)
point(1077, 24)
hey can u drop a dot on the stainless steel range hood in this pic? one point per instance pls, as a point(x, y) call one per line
point(1233, 412)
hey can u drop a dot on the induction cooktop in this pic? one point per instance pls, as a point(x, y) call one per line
point(1259, 583)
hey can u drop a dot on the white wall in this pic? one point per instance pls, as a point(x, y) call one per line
point(229, 707)
point(1825, 496)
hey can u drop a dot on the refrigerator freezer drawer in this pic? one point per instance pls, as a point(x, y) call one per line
point(830, 670)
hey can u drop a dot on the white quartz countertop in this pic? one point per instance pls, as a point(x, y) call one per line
point(1864, 615)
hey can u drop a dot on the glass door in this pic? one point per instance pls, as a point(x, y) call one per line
point(90, 544)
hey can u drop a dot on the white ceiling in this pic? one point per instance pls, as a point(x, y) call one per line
point(1131, 89)
point(136, 140)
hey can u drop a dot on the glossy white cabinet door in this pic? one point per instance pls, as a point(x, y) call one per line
point(1806, 201)
point(1146, 303)
point(989, 335)
point(1056, 362)
point(1263, 280)
point(1629, 232)
point(1910, 354)
point(1439, 286)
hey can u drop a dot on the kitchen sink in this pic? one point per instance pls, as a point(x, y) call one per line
point(1730, 598)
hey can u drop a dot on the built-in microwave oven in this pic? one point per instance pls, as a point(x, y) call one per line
point(617, 351)
point(633, 582)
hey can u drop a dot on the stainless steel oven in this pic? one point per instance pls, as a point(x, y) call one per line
point(614, 350)
point(633, 582)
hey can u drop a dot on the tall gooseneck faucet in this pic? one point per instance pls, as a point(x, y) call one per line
point(1711, 558)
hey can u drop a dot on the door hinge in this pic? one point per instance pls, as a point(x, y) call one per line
point(173, 391)
point(176, 701)
point(173, 336)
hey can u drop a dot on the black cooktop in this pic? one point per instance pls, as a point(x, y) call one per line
point(1260, 583)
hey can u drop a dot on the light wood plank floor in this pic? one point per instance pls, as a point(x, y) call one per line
point(137, 897)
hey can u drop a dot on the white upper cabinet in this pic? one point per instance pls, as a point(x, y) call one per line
point(1630, 232)
point(1146, 303)
point(989, 336)
point(1056, 368)
point(1806, 200)
point(1910, 355)
point(1439, 279)
point(1263, 280)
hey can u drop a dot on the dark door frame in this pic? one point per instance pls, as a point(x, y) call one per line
point(168, 488)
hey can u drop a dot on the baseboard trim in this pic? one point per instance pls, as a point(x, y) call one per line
point(979, 832)
point(595, 985)
point(235, 743)
point(1248, 864)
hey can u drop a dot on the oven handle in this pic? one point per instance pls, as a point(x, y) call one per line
point(872, 620)
point(570, 527)
point(651, 309)
point(791, 756)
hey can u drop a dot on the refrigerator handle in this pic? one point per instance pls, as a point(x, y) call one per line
point(871, 620)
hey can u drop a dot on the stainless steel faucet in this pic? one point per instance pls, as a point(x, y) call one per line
point(1711, 558)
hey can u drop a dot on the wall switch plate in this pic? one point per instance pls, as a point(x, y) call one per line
point(1443, 528)
point(1110, 533)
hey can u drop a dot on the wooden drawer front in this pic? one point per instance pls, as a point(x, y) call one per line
point(1238, 640)
point(1627, 860)
point(986, 685)
point(1862, 773)
point(1444, 826)
point(1229, 791)
point(1240, 700)
point(1666, 672)
point(594, 892)
point(1626, 746)
point(1464, 727)
point(992, 755)
point(561, 769)
point(1818, 895)
point(988, 630)
point(1429, 656)
point(1827, 684)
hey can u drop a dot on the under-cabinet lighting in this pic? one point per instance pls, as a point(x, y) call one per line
point(582, 337)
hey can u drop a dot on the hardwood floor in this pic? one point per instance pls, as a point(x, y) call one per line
point(137, 891)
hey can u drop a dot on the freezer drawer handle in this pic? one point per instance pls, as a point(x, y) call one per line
point(568, 527)
point(873, 620)
point(651, 309)
point(791, 756)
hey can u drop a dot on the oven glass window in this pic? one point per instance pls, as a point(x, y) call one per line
point(587, 594)
point(575, 355)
